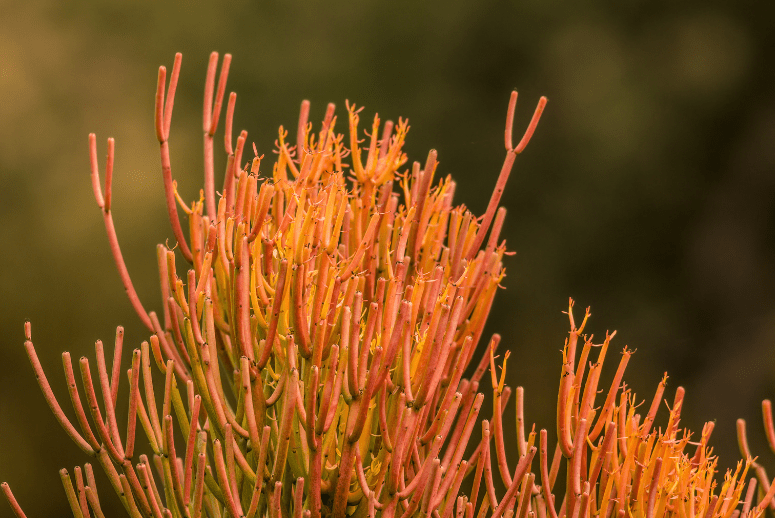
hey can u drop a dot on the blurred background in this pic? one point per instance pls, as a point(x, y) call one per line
point(648, 191)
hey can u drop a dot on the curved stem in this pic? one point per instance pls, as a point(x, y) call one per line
point(110, 229)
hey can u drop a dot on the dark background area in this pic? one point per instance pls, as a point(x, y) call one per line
point(648, 191)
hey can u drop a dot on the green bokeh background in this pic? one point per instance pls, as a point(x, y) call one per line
point(648, 191)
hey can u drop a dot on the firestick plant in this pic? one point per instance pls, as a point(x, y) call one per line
point(314, 354)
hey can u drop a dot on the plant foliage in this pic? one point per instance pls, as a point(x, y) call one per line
point(314, 354)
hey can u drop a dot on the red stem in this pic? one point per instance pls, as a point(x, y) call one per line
point(532, 126)
point(134, 483)
point(608, 442)
point(166, 167)
point(546, 484)
point(298, 498)
point(519, 472)
point(134, 395)
point(207, 123)
point(223, 479)
point(190, 449)
point(302, 129)
point(484, 363)
point(116, 366)
point(276, 304)
point(110, 229)
point(460, 445)
point(75, 399)
point(242, 298)
point(311, 404)
point(574, 468)
point(749, 497)
point(301, 326)
point(768, 424)
point(510, 120)
point(653, 491)
point(742, 439)
point(222, 77)
point(488, 470)
point(171, 94)
point(610, 398)
point(110, 408)
point(200, 485)
point(262, 451)
point(15, 507)
point(145, 475)
point(229, 123)
point(249, 402)
point(492, 206)
point(479, 467)
point(115, 450)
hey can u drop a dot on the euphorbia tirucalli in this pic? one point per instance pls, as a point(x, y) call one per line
point(315, 350)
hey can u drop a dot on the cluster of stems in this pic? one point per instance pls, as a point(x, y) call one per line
point(766, 490)
point(315, 348)
point(618, 463)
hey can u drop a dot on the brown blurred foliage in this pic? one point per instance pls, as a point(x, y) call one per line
point(648, 191)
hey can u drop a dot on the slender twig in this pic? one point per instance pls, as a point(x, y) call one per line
point(48, 394)
point(105, 205)
point(15, 507)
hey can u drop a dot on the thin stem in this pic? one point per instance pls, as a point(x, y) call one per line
point(749, 495)
point(110, 228)
point(522, 468)
point(510, 120)
point(110, 409)
point(134, 396)
point(200, 485)
point(145, 479)
point(134, 512)
point(15, 507)
point(261, 464)
point(72, 498)
point(48, 394)
point(115, 450)
point(546, 484)
point(742, 440)
point(768, 424)
point(166, 166)
point(75, 399)
point(116, 367)
point(94, 503)
point(223, 480)
point(532, 126)
point(190, 449)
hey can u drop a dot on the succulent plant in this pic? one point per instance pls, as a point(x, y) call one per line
point(314, 353)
